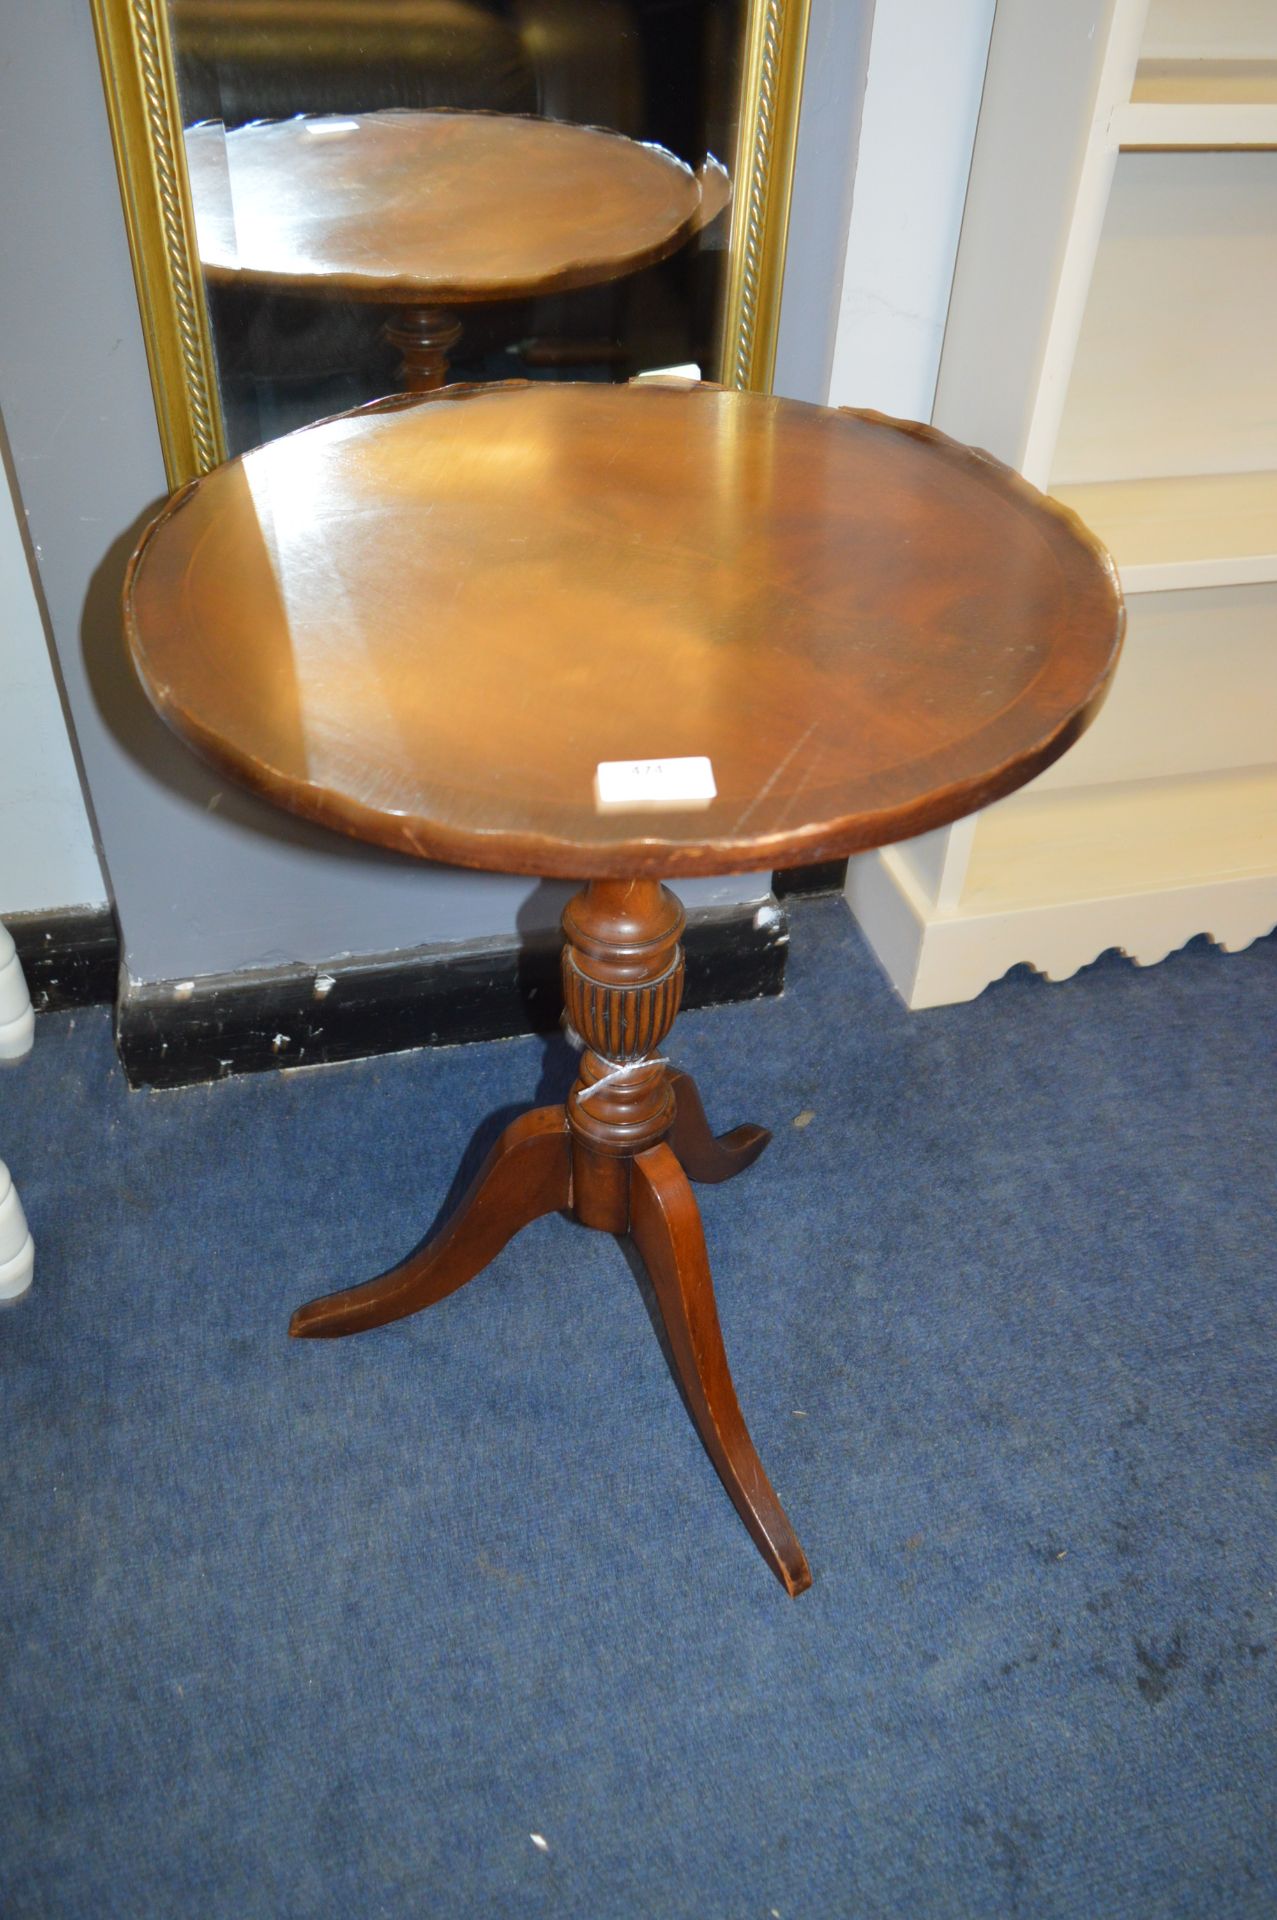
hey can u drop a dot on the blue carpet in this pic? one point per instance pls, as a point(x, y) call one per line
point(333, 1629)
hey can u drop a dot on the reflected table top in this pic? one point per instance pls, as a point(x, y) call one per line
point(427, 623)
point(433, 206)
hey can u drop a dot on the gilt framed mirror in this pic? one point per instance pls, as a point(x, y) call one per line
point(331, 200)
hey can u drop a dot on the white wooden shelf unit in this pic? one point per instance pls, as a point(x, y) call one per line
point(1111, 334)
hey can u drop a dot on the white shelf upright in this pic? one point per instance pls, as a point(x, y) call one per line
point(1110, 334)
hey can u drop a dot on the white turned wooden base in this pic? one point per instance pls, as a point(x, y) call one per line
point(17, 1254)
point(17, 1021)
point(935, 957)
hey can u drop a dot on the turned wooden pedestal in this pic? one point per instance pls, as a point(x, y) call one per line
point(425, 337)
point(865, 629)
point(620, 1155)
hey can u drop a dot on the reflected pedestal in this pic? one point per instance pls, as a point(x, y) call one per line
point(424, 337)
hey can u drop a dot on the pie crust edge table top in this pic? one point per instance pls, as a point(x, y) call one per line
point(510, 579)
point(426, 622)
point(436, 206)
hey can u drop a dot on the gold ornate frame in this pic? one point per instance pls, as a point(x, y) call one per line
point(146, 127)
point(762, 182)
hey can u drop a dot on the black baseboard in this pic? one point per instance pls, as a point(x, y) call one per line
point(70, 956)
point(172, 1034)
point(827, 876)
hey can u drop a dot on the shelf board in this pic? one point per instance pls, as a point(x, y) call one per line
point(1200, 103)
point(1195, 530)
point(1206, 83)
point(1143, 836)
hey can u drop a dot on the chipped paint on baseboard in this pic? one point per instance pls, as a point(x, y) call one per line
point(180, 1033)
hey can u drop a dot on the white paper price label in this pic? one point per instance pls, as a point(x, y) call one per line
point(686, 782)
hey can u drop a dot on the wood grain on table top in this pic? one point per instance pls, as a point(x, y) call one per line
point(425, 623)
point(432, 206)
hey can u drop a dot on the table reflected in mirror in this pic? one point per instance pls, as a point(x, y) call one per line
point(402, 193)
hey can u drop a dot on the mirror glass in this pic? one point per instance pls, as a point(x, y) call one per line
point(396, 194)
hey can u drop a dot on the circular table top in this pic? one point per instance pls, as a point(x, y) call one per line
point(426, 624)
point(449, 207)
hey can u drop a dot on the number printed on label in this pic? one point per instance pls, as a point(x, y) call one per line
point(684, 782)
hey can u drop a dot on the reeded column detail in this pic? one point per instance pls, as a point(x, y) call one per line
point(622, 983)
point(621, 1023)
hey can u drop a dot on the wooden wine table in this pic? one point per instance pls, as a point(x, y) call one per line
point(428, 623)
point(428, 212)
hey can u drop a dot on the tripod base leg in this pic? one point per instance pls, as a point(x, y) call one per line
point(703, 1156)
point(666, 1225)
point(527, 1173)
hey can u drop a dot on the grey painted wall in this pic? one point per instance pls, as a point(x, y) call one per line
point(47, 858)
point(204, 878)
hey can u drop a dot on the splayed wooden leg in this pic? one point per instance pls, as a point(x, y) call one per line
point(527, 1174)
point(666, 1225)
point(702, 1155)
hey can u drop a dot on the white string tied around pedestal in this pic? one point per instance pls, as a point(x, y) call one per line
point(616, 1069)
